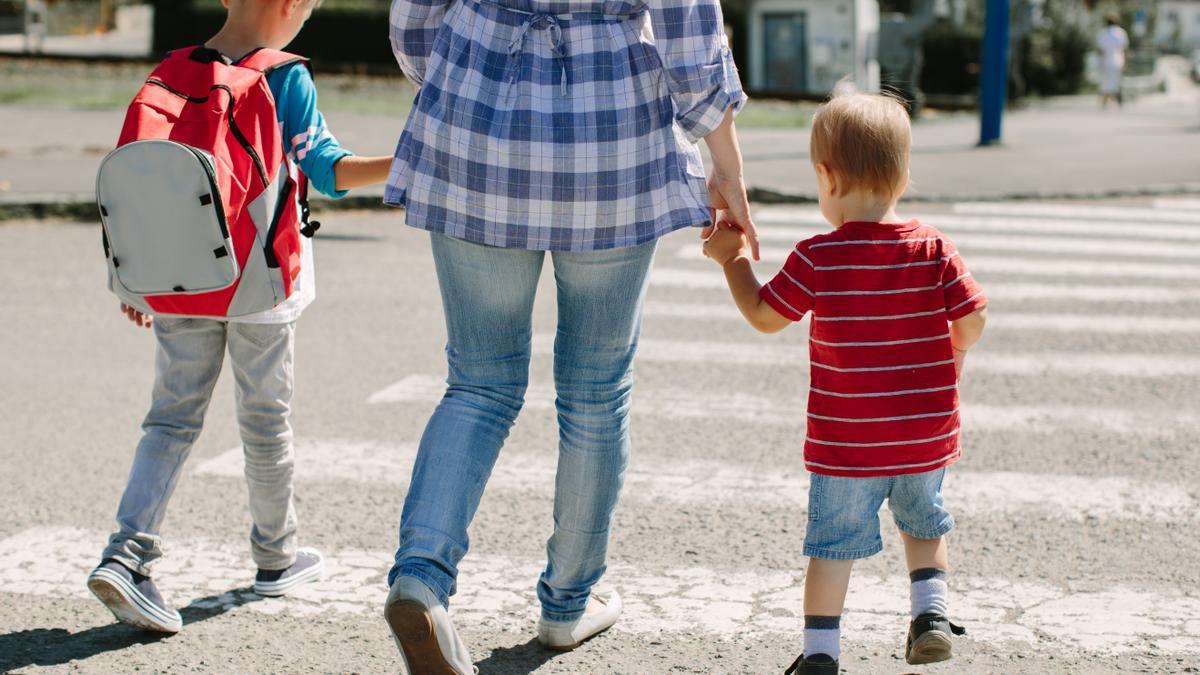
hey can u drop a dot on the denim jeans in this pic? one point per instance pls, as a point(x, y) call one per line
point(487, 295)
point(187, 364)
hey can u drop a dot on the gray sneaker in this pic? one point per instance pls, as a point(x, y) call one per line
point(132, 598)
point(309, 566)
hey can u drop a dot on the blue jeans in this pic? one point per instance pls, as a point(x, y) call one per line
point(487, 296)
point(843, 512)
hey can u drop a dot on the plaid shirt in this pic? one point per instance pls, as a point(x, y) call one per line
point(559, 124)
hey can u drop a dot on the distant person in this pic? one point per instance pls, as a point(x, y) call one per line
point(260, 345)
point(894, 311)
point(1113, 42)
point(546, 131)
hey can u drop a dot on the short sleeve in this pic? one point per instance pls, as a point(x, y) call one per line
point(306, 139)
point(791, 291)
point(962, 292)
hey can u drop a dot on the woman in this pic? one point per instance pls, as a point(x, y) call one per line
point(566, 126)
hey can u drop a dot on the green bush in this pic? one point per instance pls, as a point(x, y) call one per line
point(334, 35)
point(951, 59)
point(1054, 59)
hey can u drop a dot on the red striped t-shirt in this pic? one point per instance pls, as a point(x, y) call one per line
point(883, 396)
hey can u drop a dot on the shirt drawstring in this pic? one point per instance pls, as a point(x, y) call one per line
point(554, 37)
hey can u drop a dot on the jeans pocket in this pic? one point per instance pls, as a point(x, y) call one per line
point(261, 335)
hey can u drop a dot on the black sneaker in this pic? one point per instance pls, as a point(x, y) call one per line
point(813, 664)
point(309, 566)
point(929, 638)
point(132, 598)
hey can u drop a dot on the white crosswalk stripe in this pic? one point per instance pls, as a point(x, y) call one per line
point(1045, 245)
point(1072, 498)
point(1085, 211)
point(497, 593)
point(759, 409)
point(1046, 267)
point(810, 221)
point(1041, 363)
point(700, 279)
point(1005, 321)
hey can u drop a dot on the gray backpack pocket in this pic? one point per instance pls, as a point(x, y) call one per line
point(164, 220)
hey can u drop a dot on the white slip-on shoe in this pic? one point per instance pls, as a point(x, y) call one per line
point(421, 627)
point(600, 615)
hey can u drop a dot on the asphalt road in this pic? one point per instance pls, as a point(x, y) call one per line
point(1076, 498)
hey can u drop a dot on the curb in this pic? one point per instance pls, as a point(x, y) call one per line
point(83, 207)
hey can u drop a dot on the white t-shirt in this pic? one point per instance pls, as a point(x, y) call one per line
point(1112, 43)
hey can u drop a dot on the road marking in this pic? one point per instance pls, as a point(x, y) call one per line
point(693, 279)
point(1176, 203)
point(788, 411)
point(1055, 323)
point(1061, 497)
point(1092, 212)
point(1006, 363)
point(1026, 244)
point(496, 593)
point(1047, 267)
point(953, 224)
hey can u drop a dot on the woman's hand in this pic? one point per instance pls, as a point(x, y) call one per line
point(726, 186)
point(729, 204)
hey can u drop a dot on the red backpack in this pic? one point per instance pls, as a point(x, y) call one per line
point(202, 212)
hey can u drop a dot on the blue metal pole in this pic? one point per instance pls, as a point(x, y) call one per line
point(994, 78)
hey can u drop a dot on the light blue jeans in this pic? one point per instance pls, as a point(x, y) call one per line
point(487, 295)
point(187, 363)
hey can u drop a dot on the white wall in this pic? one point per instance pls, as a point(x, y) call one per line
point(1188, 17)
point(839, 33)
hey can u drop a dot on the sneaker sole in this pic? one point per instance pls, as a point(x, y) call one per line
point(412, 629)
point(930, 647)
point(128, 605)
point(274, 589)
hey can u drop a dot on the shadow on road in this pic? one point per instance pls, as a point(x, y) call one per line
point(522, 658)
point(57, 646)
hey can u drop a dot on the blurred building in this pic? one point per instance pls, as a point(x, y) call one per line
point(803, 47)
point(1178, 26)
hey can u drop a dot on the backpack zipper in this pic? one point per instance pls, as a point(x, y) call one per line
point(218, 204)
point(233, 127)
point(285, 198)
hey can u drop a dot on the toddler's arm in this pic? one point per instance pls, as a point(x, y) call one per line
point(964, 333)
point(728, 248)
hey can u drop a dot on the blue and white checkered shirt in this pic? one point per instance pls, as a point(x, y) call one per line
point(559, 124)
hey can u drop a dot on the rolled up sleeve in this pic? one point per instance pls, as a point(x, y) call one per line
point(700, 73)
point(413, 26)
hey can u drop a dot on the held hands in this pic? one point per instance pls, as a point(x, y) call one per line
point(726, 243)
point(727, 195)
point(144, 320)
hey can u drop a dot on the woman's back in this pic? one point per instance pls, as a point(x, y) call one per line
point(565, 125)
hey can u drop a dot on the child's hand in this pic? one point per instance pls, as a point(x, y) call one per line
point(725, 244)
point(145, 320)
point(959, 356)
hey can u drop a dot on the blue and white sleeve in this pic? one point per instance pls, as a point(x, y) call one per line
point(703, 81)
point(306, 139)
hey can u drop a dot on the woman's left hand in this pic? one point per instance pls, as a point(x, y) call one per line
point(727, 195)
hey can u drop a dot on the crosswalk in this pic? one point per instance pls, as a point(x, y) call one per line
point(1092, 335)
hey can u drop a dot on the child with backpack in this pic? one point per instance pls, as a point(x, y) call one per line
point(205, 224)
point(894, 311)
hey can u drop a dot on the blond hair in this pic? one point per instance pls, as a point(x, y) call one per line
point(863, 138)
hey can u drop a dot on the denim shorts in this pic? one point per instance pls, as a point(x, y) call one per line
point(843, 513)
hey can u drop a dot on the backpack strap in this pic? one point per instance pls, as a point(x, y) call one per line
point(267, 60)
